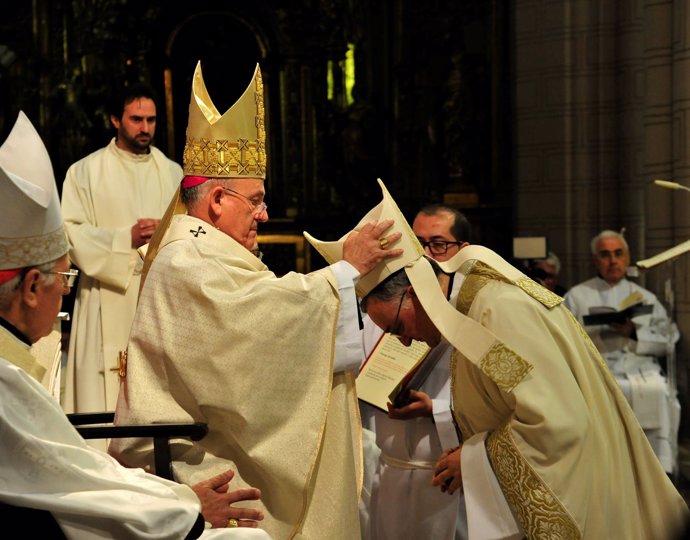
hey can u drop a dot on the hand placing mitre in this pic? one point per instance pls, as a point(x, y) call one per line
point(368, 247)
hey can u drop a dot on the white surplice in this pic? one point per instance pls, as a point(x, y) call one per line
point(45, 464)
point(403, 503)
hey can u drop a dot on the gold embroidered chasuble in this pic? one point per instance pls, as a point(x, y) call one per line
point(218, 338)
point(564, 444)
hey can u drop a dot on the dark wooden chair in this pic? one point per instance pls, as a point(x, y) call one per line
point(32, 522)
point(100, 426)
point(37, 523)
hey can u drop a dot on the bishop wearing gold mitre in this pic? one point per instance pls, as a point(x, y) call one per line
point(267, 362)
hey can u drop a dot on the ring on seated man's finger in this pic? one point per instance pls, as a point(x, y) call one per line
point(383, 242)
point(232, 522)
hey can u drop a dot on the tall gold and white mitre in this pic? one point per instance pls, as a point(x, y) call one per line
point(32, 231)
point(453, 325)
point(232, 145)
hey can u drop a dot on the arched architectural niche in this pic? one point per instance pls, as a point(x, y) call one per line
point(229, 46)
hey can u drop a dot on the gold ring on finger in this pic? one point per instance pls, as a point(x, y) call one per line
point(232, 522)
point(383, 242)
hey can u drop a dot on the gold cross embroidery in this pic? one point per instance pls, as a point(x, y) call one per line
point(121, 364)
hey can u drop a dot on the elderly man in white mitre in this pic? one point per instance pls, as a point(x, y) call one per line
point(44, 464)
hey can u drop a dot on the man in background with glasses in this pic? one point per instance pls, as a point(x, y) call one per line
point(441, 230)
point(409, 439)
point(546, 271)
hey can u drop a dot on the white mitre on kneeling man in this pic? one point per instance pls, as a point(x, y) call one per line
point(32, 231)
point(413, 260)
point(454, 327)
point(450, 322)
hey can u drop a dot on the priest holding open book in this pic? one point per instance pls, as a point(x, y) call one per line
point(414, 424)
point(632, 344)
point(550, 447)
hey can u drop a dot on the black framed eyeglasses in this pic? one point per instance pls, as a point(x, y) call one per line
point(438, 247)
point(395, 329)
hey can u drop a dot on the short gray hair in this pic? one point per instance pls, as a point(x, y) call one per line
point(9, 288)
point(553, 260)
point(190, 196)
point(608, 233)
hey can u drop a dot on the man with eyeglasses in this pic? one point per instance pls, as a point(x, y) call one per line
point(54, 485)
point(548, 439)
point(441, 230)
point(402, 503)
point(266, 362)
point(545, 272)
point(112, 202)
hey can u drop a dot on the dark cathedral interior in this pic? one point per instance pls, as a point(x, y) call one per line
point(534, 118)
point(417, 96)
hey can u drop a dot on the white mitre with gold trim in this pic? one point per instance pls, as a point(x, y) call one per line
point(32, 231)
point(232, 145)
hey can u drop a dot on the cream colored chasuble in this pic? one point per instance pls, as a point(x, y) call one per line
point(566, 449)
point(103, 196)
point(219, 339)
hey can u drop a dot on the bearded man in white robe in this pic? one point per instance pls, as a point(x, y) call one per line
point(112, 202)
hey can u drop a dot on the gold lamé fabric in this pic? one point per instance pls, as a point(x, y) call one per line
point(230, 145)
point(564, 444)
point(19, 354)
